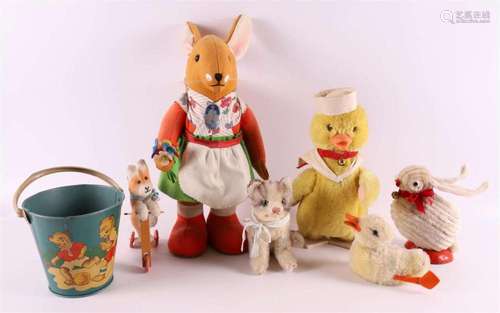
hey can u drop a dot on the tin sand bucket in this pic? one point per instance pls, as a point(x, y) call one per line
point(76, 230)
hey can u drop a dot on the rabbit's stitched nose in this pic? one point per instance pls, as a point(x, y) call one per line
point(218, 77)
point(147, 189)
point(276, 210)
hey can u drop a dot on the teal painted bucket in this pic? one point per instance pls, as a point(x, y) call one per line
point(76, 231)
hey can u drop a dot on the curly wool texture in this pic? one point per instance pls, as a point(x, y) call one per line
point(436, 229)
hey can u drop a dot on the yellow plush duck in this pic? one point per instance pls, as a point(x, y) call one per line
point(334, 183)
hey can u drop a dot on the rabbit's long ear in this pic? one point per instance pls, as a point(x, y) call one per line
point(131, 169)
point(238, 38)
point(142, 166)
point(191, 36)
point(457, 190)
point(463, 174)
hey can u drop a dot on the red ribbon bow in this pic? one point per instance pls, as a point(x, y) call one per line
point(420, 199)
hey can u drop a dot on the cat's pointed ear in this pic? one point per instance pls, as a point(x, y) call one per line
point(252, 188)
point(131, 170)
point(285, 185)
point(191, 36)
point(239, 36)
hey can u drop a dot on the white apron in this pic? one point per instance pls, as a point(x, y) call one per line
point(217, 177)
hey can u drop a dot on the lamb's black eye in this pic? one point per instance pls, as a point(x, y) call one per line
point(264, 202)
point(375, 232)
point(415, 184)
point(197, 58)
point(355, 129)
point(329, 127)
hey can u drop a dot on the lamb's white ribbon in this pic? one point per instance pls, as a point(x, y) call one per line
point(260, 228)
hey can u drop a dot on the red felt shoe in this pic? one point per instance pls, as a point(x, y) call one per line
point(224, 233)
point(436, 257)
point(188, 237)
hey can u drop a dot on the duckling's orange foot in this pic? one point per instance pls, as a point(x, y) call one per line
point(224, 233)
point(436, 257)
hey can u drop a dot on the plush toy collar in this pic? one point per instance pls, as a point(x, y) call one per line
point(330, 154)
point(261, 227)
point(154, 195)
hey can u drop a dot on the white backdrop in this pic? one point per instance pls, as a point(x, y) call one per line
point(86, 83)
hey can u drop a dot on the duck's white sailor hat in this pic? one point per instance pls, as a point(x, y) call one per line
point(336, 101)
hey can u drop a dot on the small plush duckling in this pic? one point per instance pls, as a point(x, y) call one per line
point(375, 259)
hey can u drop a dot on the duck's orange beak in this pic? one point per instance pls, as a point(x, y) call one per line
point(341, 141)
point(352, 221)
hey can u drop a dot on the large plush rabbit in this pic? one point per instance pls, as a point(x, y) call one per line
point(426, 219)
point(208, 142)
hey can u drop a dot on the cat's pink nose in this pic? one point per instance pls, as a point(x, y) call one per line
point(276, 210)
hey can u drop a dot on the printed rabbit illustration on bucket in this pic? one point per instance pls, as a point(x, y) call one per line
point(78, 270)
point(76, 231)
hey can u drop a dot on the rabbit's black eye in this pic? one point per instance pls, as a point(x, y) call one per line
point(138, 181)
point(264, 203)
point(415, 184)
point(329, 127)
point(197, 58)
point(375, 232)
point(283, 201)
point(355, 129)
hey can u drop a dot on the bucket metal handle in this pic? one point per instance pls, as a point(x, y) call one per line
point(48, 171)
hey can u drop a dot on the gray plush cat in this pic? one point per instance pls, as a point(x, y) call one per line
point(268, 229)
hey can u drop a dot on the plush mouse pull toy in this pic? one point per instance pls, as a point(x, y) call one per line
point(207, 144)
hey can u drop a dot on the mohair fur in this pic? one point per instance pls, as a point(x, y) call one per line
point(375, 259)
point(142, 203)
point(343, 124)
point(277, 196)
point(323, 203)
